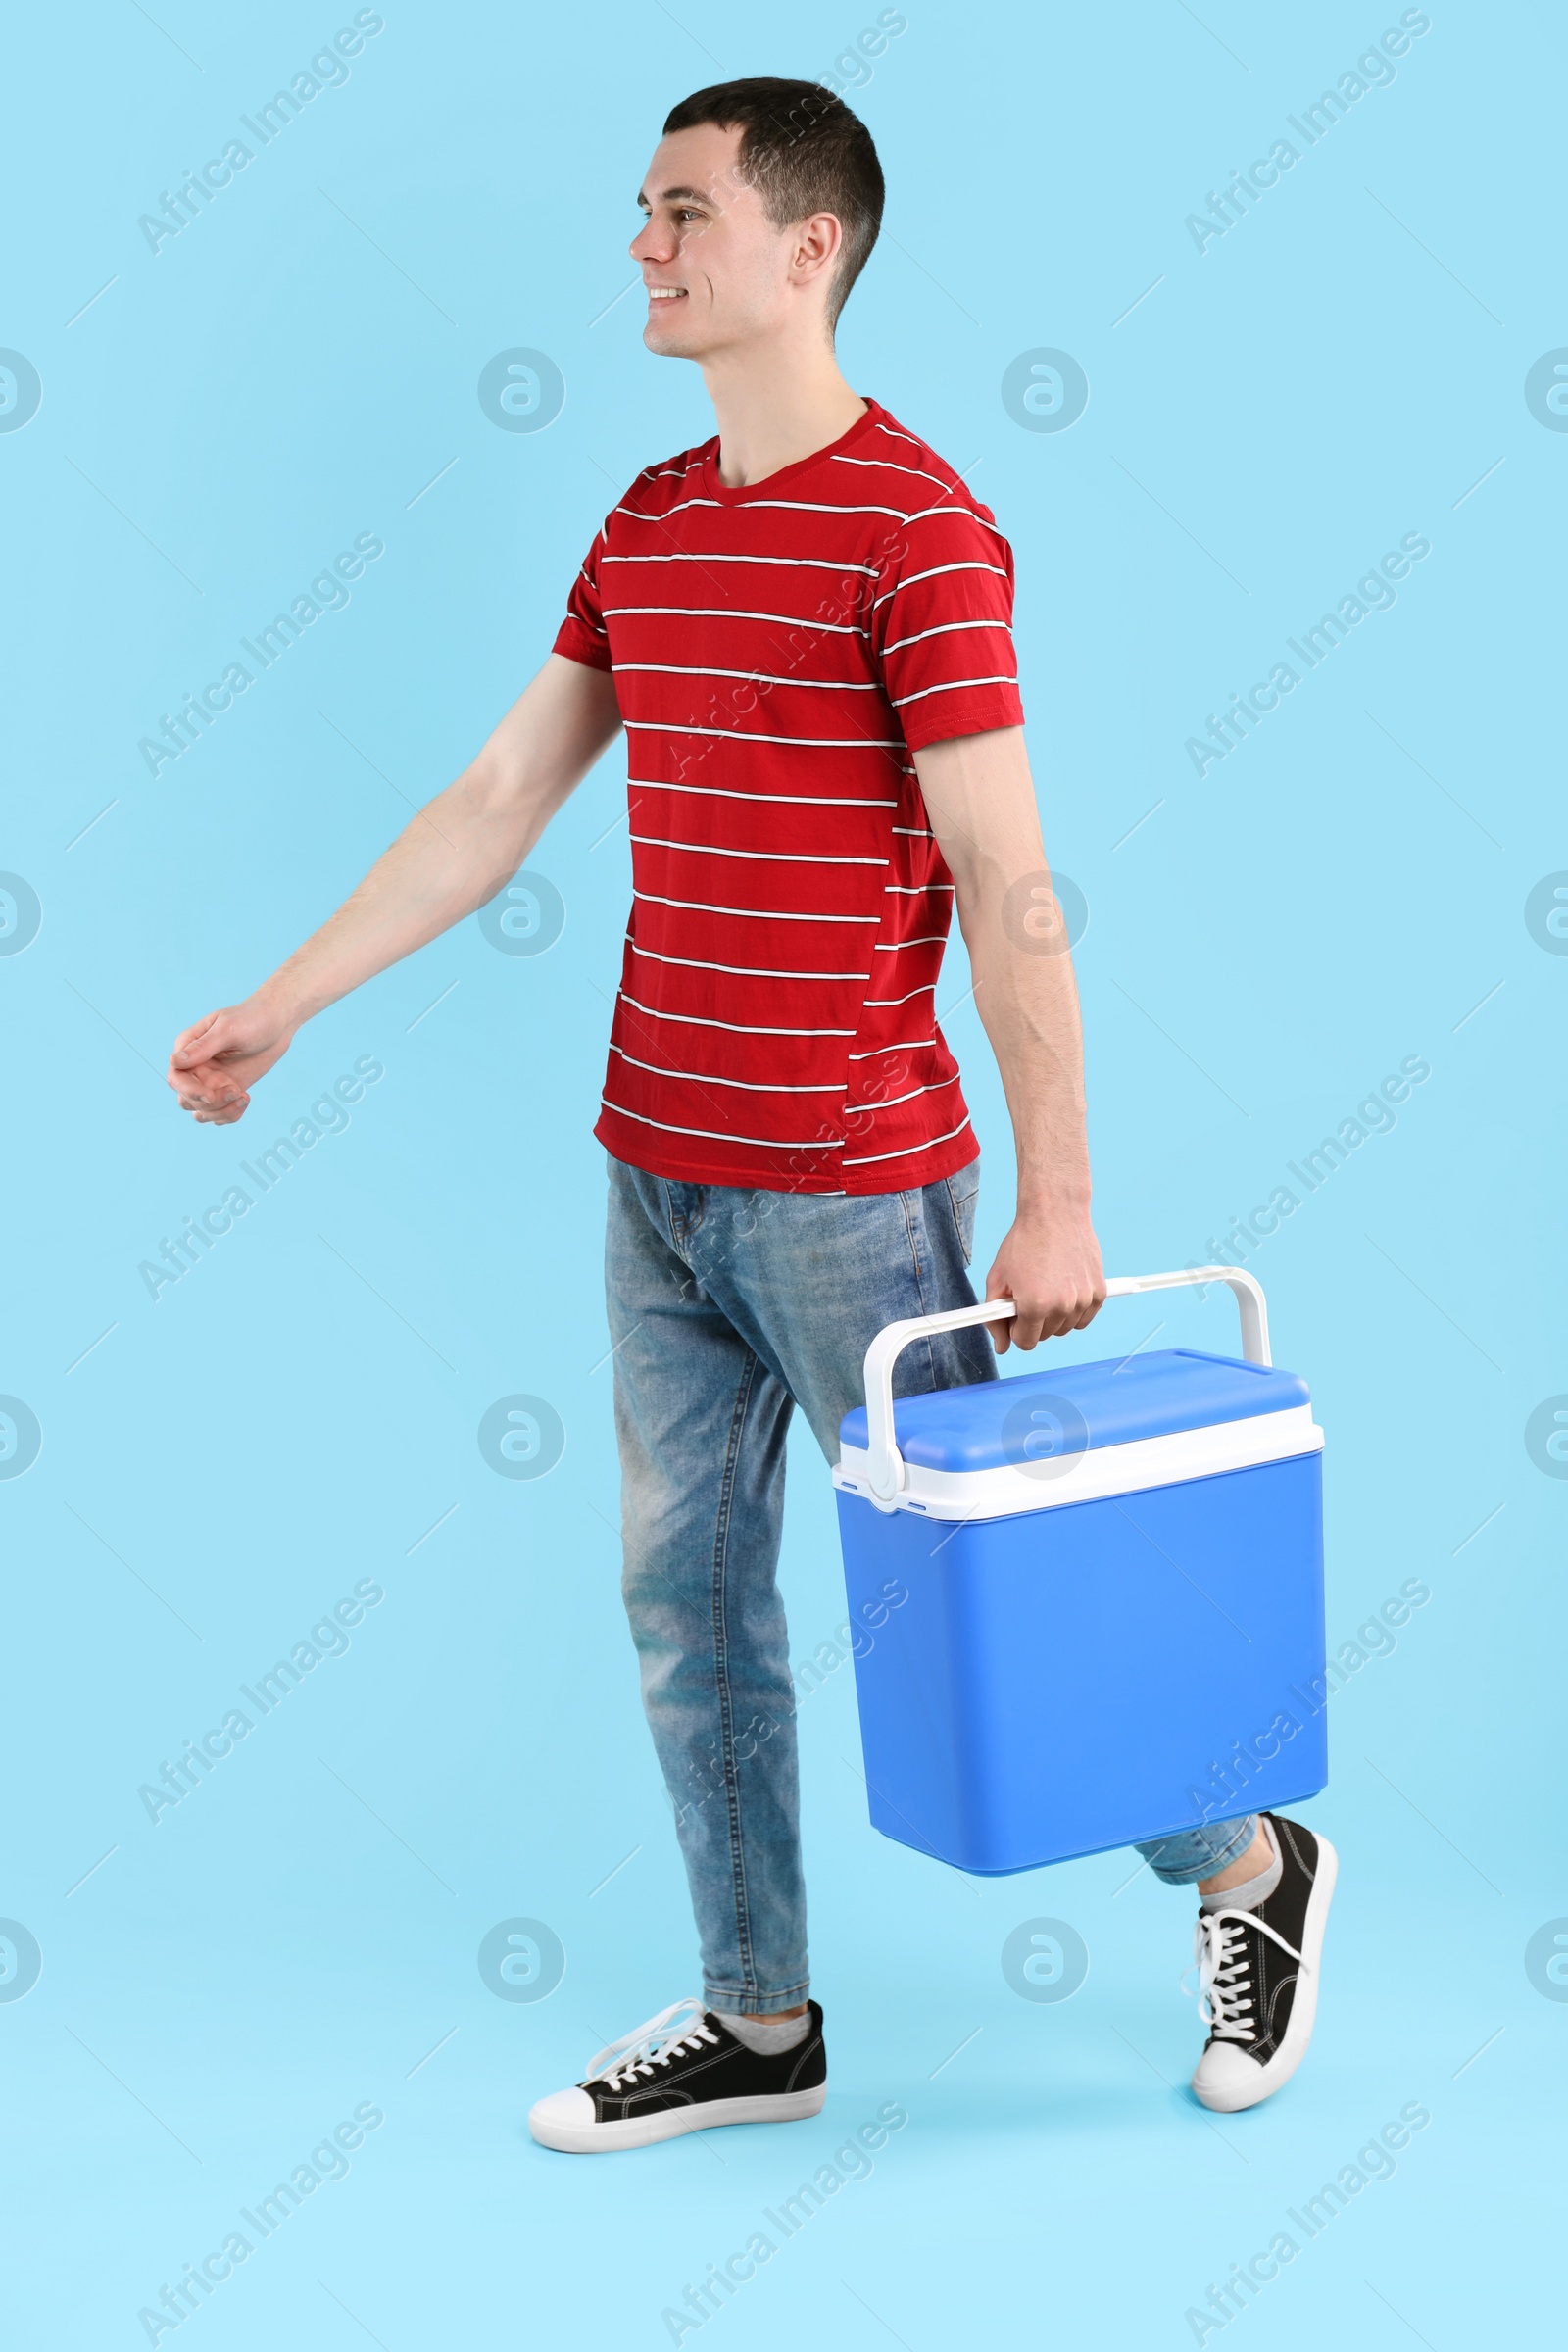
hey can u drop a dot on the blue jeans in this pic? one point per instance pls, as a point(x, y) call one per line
point(727, 1309)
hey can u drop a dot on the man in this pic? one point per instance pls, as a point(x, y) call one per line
point(804, 627)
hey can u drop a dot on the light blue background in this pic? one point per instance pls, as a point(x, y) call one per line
point(1343, 367)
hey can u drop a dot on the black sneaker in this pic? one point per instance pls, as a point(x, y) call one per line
point(684, 2070)
point(1257, 1975)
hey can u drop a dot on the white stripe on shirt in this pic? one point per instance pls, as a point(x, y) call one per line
point(824, 743)
point(754, 914)
point(704, 849)
point(721, 1135)
point(915, 473)
point(934, 573)
point(948, 513)
point(804, 799)
point(946, 629)
point(747, 1086)
point(747, 972)
point(793, 563)
point(952, 686)
point(788, 620)
point(697, 1020)
point(752, 677)
point(867, 1159)
point(935, 1088)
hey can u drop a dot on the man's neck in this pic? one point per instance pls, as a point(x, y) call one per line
point(775, 408)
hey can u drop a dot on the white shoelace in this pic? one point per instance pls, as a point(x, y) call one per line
point(653, 2044)
point(1224, 1972)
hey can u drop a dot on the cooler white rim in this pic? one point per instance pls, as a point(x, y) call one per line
point(1010, 1489)
point(884, 1470)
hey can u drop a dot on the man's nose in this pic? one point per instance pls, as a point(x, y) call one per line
point(652, 244)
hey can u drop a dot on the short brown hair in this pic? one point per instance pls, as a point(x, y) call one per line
point(803, 152)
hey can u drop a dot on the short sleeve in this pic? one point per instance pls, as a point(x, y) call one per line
point(942, 627)
point(582, 635)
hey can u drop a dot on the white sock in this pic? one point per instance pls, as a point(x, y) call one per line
point(1251, 1892)
point(768, 2037)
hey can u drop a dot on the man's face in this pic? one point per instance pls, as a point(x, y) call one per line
point(717, 271)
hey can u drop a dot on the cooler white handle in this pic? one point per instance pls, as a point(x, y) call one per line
point(885, 1469)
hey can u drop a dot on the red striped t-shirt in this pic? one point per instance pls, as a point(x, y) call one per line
point(779, 651)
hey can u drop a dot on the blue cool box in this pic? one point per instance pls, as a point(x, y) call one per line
point(1093, 1613)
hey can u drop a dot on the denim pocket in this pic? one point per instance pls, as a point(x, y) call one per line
point(963, 1191)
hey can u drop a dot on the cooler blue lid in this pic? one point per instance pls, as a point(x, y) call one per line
point(1079, 1406)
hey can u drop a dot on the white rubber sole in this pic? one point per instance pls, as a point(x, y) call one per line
point(1264, 2080)
point(642, 2131)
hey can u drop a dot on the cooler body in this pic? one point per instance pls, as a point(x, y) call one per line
point(1041, 1676)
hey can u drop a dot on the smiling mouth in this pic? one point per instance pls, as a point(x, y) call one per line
point(667, 293)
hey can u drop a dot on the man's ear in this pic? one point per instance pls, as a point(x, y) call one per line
point(819, 242)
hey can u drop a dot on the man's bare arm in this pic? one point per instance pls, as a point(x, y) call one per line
point(453, 856)
point(981, 802)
